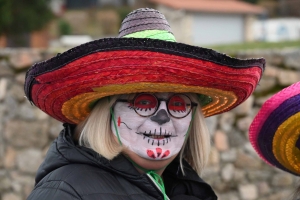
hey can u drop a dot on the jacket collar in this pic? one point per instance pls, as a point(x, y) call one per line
point(65, 151)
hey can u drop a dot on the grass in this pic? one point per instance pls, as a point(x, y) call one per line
point(256, 45)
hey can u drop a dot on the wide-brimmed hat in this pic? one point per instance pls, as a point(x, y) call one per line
point(145, 57)
point(274, 132)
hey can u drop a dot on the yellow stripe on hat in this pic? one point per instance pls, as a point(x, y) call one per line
point(78, 108)
point(284, 144)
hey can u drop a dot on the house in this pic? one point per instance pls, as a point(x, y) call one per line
point(278, 29)
point(210, 22)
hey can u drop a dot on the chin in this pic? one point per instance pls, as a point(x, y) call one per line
point(150, 164)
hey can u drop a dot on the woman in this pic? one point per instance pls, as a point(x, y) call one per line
point(133, 109)
point(274, 132)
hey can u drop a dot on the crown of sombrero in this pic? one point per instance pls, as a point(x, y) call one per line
point(144, 58)
point(275, 130)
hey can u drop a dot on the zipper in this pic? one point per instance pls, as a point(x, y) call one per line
point(157, 186)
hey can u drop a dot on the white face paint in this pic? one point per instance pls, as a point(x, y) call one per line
point(156, 137)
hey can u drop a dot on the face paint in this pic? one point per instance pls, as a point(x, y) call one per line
point(155, 137)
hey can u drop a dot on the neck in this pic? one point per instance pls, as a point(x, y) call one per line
point(142, 169)
point(159, 171)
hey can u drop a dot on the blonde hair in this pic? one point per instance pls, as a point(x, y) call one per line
point(95, 130)
point(95, 133)
point(196, 148)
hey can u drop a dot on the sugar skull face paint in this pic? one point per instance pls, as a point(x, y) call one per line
point(153, 127)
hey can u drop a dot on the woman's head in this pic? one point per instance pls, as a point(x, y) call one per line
point(149, 128)
point(154, 126)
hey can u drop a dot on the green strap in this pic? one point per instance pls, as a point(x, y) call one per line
point(157, 179)
point(188, 131)
point(115, 125)
point(142, 168)
point(160, 183)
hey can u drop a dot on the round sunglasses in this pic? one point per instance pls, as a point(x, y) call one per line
point(146, 104)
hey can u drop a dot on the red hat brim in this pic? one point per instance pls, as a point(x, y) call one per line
point(65, 86)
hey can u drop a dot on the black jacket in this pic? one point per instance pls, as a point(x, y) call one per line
point(75, 172)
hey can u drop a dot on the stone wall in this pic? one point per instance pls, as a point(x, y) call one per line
point(234, 170)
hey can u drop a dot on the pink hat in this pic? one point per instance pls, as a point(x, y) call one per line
point(275, 131)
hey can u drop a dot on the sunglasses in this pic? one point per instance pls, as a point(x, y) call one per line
point(146, 104)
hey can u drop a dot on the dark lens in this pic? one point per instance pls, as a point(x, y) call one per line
point(145, 104)
point(179, 105)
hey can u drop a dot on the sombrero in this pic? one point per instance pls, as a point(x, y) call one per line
point(274, 132)
point(145, 57)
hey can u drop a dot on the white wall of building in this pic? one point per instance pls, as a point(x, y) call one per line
point(215, 29)
point(275, 30)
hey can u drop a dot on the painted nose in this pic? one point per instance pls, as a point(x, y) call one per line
point(161, 117)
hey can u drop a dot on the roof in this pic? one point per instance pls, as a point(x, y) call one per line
point(215, 6)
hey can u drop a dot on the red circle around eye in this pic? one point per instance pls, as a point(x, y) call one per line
point(177, 103)
point(145, 101)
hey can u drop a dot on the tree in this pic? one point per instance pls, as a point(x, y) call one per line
point(19, 17)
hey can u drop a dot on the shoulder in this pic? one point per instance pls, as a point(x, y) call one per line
point(80, 181)
point(76, 173)
point(80, 177)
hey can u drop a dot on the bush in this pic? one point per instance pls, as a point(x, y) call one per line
point(64, 28)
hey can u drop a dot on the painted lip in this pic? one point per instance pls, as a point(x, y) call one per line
point(158, 135)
